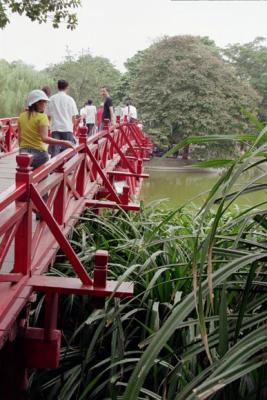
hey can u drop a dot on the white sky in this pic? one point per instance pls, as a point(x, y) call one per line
point(118, 29)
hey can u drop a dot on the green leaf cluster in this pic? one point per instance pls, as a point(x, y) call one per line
point(58, 11)
point(86, 75)
point(250, 63)
point(182, 86)
point(16, 81)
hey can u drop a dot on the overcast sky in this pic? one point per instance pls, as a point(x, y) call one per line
point(118, 29)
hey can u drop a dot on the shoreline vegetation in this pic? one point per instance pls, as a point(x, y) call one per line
point(157, 164)
point(196, 327)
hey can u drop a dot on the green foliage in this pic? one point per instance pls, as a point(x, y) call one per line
point(181, 86)
point(57, 10)
point(86, 75)
point(124, 86)
point(197, 325)
point(250, 62)
point(16, 81)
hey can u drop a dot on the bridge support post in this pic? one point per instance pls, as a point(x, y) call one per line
point(13, 372)
point(100, 276)
point(82, 170)
point(23, 238)
point(8, 138)
point(60, 200)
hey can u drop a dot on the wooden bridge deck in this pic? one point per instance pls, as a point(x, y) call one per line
point(7, 179)
point(7, 171)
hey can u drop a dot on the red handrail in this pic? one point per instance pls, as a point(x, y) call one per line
point(59, 191)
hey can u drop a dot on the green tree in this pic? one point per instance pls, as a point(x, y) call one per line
point(123, 87)
point(183, 87)
point(58, 11)
point(86, 74)
point(16, 81)
point(250, 62)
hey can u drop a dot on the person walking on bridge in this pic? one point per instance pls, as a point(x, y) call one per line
point(130, 111)
point(62, 111)
point(90, 115)
point(33, 129)
point(108, 112)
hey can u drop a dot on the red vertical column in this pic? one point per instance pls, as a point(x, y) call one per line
point(8, 137)
point(81, 177)
point(60, 200)
point(23, 238)
point(106, 124)
point(51, 308)
point(100, 269)
point(100, 276)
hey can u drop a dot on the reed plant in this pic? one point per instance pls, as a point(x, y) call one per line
point(197, 325)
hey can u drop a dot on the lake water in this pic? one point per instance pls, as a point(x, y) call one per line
point(179, 184)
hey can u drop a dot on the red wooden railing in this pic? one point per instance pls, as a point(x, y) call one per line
point(8, 135)
point(59, 191)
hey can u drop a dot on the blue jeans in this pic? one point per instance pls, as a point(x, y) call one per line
point(39, 157)
point(55, 149)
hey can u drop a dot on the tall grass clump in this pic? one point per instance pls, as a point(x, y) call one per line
point(197, 325)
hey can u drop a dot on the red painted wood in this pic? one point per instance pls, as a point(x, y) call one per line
point(111, 204)
point(100, 269)
point(63, 242)
point(51, 307)
point(130, 174)
point(37, 350)
point(63, 285)
point(70, 182)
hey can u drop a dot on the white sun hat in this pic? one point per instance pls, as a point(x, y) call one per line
point(35, 96)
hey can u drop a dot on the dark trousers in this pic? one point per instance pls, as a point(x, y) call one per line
point(90, 129)
point(55, 149)
point(39, 157)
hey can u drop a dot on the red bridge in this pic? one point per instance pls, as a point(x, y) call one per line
point(105, 171)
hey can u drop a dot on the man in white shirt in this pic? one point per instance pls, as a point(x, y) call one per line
point(82, 115)
point(62, 111)
point(130, 111)
point(90, 114)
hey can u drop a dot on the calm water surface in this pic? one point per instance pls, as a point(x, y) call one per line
point(169, 180)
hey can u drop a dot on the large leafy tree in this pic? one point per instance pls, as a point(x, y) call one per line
point(16, 80)
point(250, 62)
point(41, 10)
point(86, 75)
point(182, 87)
point(123, 87)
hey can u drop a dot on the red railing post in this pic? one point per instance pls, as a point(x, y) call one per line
point(80, 186)
point(60, 200)
point(100, 268)
point(51, 308)
point(139, 168)
point(23, 238)
point(106, 124)
point(125, 196)
point(8, 138)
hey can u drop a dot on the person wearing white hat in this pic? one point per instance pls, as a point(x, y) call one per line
point(33, 129)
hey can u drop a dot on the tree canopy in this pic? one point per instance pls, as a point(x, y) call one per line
point(86, 75)
point(16, 81)
point(182, 86)
point(58, 11)
point(250, 62)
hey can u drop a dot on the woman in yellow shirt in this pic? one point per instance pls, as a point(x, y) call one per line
point(33, 129)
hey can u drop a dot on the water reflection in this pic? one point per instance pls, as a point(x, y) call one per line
point(180, 186)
